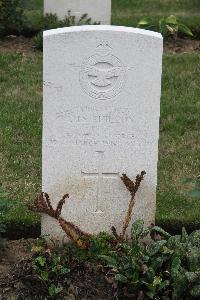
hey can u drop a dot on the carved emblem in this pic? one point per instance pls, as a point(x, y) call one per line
point(102, 74)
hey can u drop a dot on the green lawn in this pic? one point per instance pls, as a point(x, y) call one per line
point(179, 151)
point(20, 133)
point(20, 130)
point(129, 12)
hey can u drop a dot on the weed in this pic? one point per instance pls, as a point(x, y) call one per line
point(167, 26)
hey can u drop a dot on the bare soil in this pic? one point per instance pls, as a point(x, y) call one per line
point(172, 46)
point(24, 45)
point(12, 253)
point(85, 280)
point(17, 44)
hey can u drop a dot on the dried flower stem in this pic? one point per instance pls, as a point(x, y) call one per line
point(43, 205)
point(133, 188)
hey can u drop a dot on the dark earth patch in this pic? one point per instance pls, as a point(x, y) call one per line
point(25, 45)
point(85, 280)
point(13, 252)
point(16, 44)
point(181, 46)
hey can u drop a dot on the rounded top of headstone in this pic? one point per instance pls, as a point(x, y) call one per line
point(110, 28)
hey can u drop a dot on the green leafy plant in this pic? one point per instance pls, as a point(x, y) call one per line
point(167, 26)
point(51, 21)
point(150, 264)
point(38, 41)
point(164, 265)
point(48, 268)
point(12, 19)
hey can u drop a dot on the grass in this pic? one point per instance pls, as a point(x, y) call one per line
point(179, 150)
point(20, 130)
point(129, 12)
point(179, 153)
point(156, 7)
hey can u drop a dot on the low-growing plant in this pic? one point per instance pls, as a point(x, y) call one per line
point(163, 266)
point(150, 264)
point(100, 244)
point(167, 26)
point(38, 41)
point(12, 18)
point(51, 21)
point(48, 269)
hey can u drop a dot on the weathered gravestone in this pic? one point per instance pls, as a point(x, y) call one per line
point(101, 119)
point(97, 10)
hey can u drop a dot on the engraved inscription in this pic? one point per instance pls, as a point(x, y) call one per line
point(100, 175)
point(102, 74)
point(112, 141)
point(87, 114)
point(51, 85)
point(82, 126)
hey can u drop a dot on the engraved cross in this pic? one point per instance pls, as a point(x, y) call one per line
point(100, 175)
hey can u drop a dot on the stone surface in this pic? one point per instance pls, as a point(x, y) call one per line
point(101, 119)
point(98, 10)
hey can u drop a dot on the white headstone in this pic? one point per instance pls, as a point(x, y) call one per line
point(101, 119)
point(97, 10)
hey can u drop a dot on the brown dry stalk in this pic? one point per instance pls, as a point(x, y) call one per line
point(133, 188)
point(43, 205)
point(116, 235)
point(75, 234)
